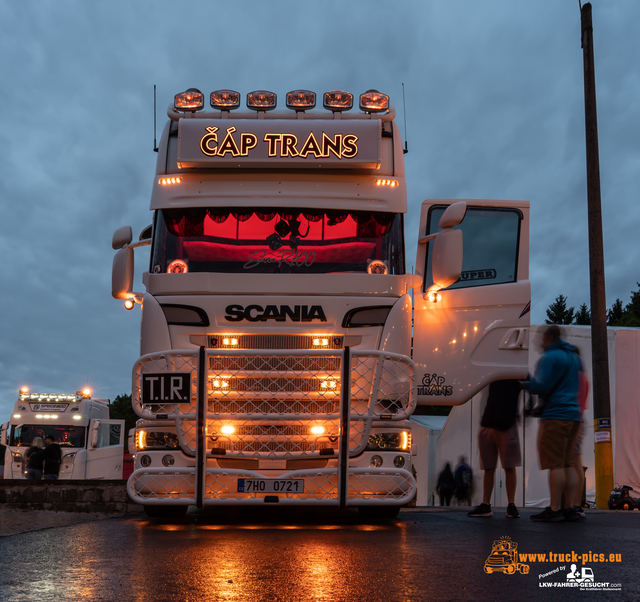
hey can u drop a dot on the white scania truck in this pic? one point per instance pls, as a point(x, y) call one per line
point(282, 349)
point(91, 443)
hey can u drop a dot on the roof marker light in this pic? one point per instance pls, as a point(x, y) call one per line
point(301, 100)
point(189, 102)
point(373, 101)
point(337, 101)
point(225, 100)
point(262, 100)
point(129, 304)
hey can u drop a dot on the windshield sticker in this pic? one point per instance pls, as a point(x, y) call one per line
point(489, 274)
point(288, 257)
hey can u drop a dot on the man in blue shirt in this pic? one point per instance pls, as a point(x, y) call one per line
point(556, 382)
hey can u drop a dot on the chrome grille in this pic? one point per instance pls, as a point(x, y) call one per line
point(257, 446)
point(228, 405)
point(274, 363)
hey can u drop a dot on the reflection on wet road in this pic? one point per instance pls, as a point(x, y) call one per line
point(270, 554)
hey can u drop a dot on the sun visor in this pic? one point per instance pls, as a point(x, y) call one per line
point(279, 143)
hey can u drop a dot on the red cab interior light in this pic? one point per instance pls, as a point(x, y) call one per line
point(261, 100)
point(337, 100)
point(225, 100)
point(301, 100)
point(190, 101)
point(373, 101)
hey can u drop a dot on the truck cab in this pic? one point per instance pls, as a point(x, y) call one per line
point(282, 337)
point(91, 444)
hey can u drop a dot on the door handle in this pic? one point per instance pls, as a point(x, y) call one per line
point(516, 338)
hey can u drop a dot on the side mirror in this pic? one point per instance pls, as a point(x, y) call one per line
point(146, 233)
point(122, 237)
point(93, 441)
point(447, 258)
point(453, 215)
point(122, 274)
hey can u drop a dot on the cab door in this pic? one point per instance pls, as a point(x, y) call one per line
point(105, 449)
point(471, 326)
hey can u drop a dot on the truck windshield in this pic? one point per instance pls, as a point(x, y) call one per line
point(277, 240)
point(65, 436)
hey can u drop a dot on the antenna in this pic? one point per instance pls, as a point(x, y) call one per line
point(155, 146)
point(404, 105)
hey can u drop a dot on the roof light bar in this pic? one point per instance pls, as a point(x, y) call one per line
point(225, 100)
point(373, 101)
point(190, 101)
point(337, 101)
point(301, 100)
point(261, 100)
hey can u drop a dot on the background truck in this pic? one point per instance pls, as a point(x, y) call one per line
point(92, 444)
point(284, 345)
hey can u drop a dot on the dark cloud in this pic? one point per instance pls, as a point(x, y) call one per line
point(494, 109)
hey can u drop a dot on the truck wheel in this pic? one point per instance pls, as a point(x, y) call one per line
point(165, 511)
point(626, 505)
point(378, 512)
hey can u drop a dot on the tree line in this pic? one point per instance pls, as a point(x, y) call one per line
point(617, 315)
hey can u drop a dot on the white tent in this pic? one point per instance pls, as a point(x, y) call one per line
point(459, 434)
point(424, 434)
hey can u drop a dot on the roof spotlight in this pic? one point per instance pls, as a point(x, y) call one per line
point(225, 100)
point(301, 100)
point(373, 101)
point(337, 101)
point(189, 102)
point(261, 100)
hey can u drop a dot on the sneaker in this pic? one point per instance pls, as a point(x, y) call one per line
point(481, 510)
point(571, 514)
point(548, 516)
point(512, 511)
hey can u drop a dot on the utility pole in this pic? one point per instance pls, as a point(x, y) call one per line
point(599, 349)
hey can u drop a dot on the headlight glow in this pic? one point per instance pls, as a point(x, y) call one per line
point(228, 429)
point(317, 430)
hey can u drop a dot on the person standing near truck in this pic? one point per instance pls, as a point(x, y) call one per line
point(34, 457)
point(52, 459)
point(556, 382)
point(498, 434)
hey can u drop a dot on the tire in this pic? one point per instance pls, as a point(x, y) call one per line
point(488, 570)
point(165, 511)
point(378, 512)
point(511, 569)
point(625, 504)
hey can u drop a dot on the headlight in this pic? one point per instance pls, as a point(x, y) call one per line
point(156, 440)
point(398, 461)
point(376, 461)
point(145, 461)
point(398, 441)
point(168, 460)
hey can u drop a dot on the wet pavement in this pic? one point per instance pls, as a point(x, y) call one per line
point(290, 555)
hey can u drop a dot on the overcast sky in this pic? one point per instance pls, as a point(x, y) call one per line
point(494, 109)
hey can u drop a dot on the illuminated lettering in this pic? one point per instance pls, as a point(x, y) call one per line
point(349, 147)
point(247, 142)
point(229, 144)
point(334, 146)
point(205, 143)
point(311, 146)
point(273, 140)
point(289, 142)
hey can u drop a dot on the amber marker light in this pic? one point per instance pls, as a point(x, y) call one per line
point(261, 100)
point(317, 430)
point(225, 100)
point(220, 384)
point(24, 390)
point(228, 429)
point(189, 102)
point(129, 304)
point(86, 392)
point(230, 342)
point(170, 181)
point(301, 100)
point(391, 183)
point(373, 101)
point(328, 384)
point(320, 342)
point(337, 101)
point(434, 297)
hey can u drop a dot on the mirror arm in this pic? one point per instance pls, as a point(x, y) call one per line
point(426, 239)
point(141, 243)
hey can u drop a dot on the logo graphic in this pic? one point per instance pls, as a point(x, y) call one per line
point(256, 313)
point(575, 576)
point(504, 558)
point(432, 384)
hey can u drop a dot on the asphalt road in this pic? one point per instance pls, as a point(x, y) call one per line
point(279, 554)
